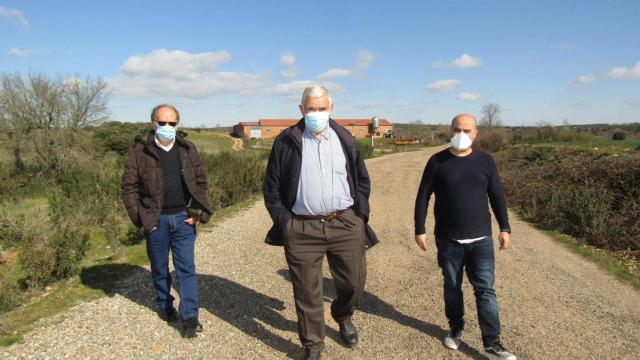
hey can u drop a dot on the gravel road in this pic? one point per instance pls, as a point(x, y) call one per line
point(553, 304)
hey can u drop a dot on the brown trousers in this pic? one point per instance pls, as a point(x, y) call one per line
point(306, 243)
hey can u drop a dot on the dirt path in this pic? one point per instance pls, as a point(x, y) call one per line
point(238, 145)
point(554, 304)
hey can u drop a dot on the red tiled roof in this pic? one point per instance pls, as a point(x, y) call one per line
point(278, 122)
point(249, 123)
point(343, 122)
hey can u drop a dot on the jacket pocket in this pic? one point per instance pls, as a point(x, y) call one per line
point(146, 202)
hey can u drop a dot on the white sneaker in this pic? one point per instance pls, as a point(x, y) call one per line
point(498, 352)
point(452, 341)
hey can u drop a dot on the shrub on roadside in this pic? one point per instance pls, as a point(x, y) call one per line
point(490, 141)
point(588, 194)
point(233, 176)
point(10, 293)
point(37, 259)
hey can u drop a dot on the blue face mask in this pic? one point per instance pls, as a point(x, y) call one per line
point(316, 121)
point(166, 133)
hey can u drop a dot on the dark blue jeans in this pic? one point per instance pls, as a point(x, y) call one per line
point(478, 260)
point(173, 233)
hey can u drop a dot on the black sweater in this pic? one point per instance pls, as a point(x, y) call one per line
point(461, 186)
point(175, 195)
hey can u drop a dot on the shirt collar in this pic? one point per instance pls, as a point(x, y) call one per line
point(166, 148)
point(324, 134)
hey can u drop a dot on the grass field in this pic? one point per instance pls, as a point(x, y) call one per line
point(211, 141)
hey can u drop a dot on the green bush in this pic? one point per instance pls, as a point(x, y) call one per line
point(365, 149)
point(490, 141)
point(38, 261)
point(118, 137)
point(619, 135)
point(233, 176)
point(70, 244)
point(11, 230)
point(590, 195)
point(133, 236)
point(10, 293)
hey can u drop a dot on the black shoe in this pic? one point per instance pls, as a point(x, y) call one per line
point(498, 352)
point(348, 333)
point(189, 328)
point(312, 354)
point(198, 326)
point(169, 315)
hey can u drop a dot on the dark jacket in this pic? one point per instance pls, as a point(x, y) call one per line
point(283, 175)
point(143, 186)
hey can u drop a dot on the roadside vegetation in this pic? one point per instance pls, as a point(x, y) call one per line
point(60, 206)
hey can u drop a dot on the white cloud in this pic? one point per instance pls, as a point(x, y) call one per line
point(585, 79)
point(443, 85)
point(364, 59)
point(334, 73)
point(180, 73)
point(26, 53)
point(14, 15)
point(468, 96)
point(288, 61)
point(370, 104)
point(465, 61)
point(620, 72)
point(293, 89)
point(177, 62)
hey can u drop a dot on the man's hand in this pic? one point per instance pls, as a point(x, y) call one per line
point(191, 221)
point(152, 230)
point(505, 240)
point(421, 240)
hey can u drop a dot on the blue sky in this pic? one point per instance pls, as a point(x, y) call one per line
point(221, 62)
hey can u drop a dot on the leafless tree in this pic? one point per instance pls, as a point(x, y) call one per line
point(39, 113)
point(491, 115)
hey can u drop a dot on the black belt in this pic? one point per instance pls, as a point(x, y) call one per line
point(323, 218)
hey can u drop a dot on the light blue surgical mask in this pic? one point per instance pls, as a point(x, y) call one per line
point(316, 121)
point(166, 133)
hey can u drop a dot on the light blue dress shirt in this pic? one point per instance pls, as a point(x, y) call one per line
point(323, 187)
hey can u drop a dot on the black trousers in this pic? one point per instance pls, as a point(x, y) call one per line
point(306, 243)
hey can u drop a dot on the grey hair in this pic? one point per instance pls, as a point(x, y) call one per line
point(154, 112)
point(316, 92)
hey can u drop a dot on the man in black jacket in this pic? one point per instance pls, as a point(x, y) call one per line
point(463, 179)
point(316, 190)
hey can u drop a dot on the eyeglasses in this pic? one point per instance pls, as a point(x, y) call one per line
point(163, 123)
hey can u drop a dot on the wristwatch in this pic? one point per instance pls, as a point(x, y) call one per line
point(507, 230)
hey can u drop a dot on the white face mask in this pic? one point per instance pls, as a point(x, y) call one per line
point(316, 121)
point(461, 141)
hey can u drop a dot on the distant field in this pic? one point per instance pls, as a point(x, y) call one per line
point(211, 142)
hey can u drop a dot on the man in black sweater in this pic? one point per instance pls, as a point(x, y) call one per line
point(164, 188)
point(462, 180)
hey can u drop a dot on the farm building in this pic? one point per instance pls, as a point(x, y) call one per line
point(270, 128)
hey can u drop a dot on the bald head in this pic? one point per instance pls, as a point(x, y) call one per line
point(465, 118)
point(464, 123)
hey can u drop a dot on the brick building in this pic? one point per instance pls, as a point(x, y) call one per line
point(270, 128)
